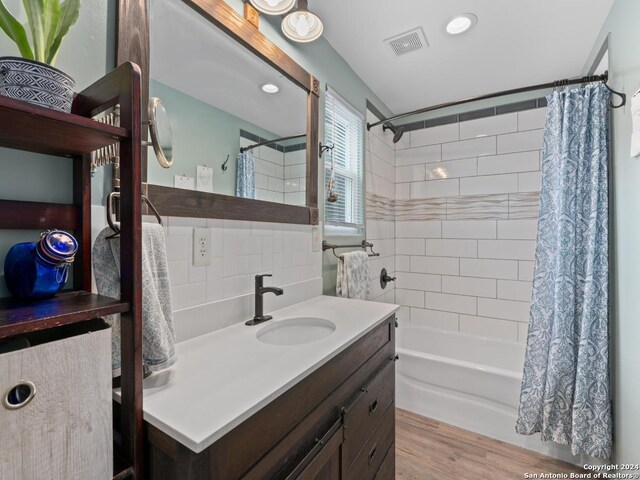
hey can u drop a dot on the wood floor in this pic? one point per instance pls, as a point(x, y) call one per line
point(430, 450)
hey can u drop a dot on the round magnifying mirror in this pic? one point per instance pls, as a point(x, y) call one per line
point(161, 135)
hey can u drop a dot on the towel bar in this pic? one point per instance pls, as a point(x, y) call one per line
point(364, 245)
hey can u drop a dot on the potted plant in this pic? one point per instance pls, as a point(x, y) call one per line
point(32, 78)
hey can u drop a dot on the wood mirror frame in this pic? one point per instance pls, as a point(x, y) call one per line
point(133, 46)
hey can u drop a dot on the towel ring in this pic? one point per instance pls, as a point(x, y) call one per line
point(110, 207)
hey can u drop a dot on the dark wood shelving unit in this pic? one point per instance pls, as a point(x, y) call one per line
point(17, 317)
point(56, 133)
point(76, 135)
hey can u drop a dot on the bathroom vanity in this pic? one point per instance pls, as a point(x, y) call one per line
point(236, 407)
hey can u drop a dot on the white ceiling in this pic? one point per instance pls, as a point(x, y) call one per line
point(190, 54)
point(515, 43)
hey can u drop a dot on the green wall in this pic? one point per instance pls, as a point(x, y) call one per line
point(624, 61)
point(203, 135)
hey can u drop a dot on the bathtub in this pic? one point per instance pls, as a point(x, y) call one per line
point(466, 381)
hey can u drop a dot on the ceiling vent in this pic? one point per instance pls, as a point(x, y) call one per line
point(408, 42)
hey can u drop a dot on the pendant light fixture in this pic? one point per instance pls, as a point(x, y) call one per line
point(301, 25)
point(273, 7)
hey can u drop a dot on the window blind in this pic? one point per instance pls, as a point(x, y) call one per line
point(344, 129)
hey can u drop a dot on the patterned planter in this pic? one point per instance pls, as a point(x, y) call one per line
point(36, 83)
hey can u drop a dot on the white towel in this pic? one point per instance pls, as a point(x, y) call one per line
point(353, 276)
point(158, 337)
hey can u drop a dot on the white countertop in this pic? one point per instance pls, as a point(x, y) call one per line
point(224, 377)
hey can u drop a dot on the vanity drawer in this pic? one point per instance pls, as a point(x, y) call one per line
point(363, 416)
point(388, 468)
point(372, 456)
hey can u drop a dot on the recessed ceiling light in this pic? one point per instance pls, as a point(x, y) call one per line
point(461, 23)
point(273, 7)
point(270, 88)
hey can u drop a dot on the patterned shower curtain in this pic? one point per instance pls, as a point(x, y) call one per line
point(245, 176)
point(565, 386)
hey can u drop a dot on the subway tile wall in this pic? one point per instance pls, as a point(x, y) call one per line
point(280, 177)
point(380, 181)
point(295, 177)
point(466, 208)
point(207, 298)
point(270, 170)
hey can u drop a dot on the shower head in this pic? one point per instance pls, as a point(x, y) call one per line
point(398, 132)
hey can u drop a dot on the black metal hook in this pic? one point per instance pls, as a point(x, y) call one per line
point(224, 165)
point(623, 98)
point(325, 148)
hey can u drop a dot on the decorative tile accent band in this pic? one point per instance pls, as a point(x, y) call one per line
point(380, 208)
point(422, 209)
point(478, 207)
point(524, 205)
point(514, 206)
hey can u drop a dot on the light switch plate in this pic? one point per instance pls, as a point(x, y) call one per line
point(316, 239)
point(201, 247)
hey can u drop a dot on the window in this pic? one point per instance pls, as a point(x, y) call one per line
point(344, 129)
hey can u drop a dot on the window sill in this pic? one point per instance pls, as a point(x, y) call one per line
point(339, 231)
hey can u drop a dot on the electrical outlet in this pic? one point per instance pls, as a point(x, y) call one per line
point(201, 247)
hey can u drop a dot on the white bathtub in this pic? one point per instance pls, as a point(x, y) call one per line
point(466, 381)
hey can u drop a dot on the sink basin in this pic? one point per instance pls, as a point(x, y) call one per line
point(296, 331)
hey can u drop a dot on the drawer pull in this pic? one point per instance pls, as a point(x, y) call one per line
point(372, 454)
point(373, 407)
point(19, 395)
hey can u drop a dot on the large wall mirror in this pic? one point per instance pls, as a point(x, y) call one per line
point(242, 150)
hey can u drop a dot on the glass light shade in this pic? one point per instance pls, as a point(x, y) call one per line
point(302, 26)
point(273, 7)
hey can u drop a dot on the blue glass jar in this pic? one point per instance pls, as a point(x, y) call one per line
point(40, 270)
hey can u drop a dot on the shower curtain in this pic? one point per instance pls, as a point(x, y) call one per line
point(245, 176)
point(565, 386)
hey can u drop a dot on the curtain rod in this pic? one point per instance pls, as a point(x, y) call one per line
point(269, 142)
point(558, 83)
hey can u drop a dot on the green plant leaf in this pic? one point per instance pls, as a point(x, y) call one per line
point(35, 15)
point(51, 22)
point(69, 12)
point(15, 32)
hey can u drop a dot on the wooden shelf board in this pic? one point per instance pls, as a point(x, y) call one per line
point(20, 317)
point(40, 216)
point(124, 474)
point(27, 127)
point(122, 469)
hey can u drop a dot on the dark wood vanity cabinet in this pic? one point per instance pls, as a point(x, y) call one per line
point(337, 423)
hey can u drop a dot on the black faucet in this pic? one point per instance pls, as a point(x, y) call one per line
point(260, 317)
